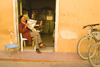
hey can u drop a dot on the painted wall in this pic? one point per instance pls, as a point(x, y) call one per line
point(38, 4)
point(6, 22)
point(26, 4)
point(73, 15)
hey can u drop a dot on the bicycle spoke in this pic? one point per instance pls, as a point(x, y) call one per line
point(84, 45)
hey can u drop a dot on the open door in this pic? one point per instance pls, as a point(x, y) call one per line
point(19, 5)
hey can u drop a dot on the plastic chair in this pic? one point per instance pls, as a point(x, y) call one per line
point(23, 40)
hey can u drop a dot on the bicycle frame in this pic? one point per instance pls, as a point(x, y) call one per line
point(93, 36)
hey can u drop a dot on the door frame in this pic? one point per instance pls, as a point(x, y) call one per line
point(15, 14)
point(15, 10)
point(56, 25)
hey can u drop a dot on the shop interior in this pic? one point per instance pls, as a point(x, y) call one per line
point(41, 10)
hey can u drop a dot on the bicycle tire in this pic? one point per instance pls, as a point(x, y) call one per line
point(83, 46)
point(95, 60)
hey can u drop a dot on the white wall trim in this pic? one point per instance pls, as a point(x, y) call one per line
point(56, 25)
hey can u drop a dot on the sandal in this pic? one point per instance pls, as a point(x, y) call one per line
point(43, 46)
point(38, 51)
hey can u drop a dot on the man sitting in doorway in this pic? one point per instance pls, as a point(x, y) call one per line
point(27, 33)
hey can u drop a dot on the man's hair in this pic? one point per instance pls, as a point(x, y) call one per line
point(20, 17)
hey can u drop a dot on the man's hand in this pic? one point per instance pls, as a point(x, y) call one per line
point(26, 25)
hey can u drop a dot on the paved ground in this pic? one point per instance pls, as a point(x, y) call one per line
point(45, 59)
point(44, 64)
point(44, 56)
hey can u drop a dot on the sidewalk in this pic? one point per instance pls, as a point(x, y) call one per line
point(43, 64)
point(43, 57)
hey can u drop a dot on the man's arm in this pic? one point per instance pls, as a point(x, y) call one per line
point(23, 29)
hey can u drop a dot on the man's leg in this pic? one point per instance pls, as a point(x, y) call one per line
point(35, 42)
point(39, 41)
point(38, 36)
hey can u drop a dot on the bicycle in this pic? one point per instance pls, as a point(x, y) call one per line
point(86, 42)
point(95, 59)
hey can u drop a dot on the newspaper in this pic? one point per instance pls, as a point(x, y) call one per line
point(31, 24)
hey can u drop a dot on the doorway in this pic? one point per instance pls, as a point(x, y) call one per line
point(45, 13)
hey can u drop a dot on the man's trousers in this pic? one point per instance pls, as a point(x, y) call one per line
point(36, 37)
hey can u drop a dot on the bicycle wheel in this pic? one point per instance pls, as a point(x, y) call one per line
point(83, 46)
point(94, 60)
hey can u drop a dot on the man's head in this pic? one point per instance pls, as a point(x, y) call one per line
point(24, 12)
point(22, 18)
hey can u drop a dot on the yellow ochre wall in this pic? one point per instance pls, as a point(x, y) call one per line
point(6, 22)
point(73, 15)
